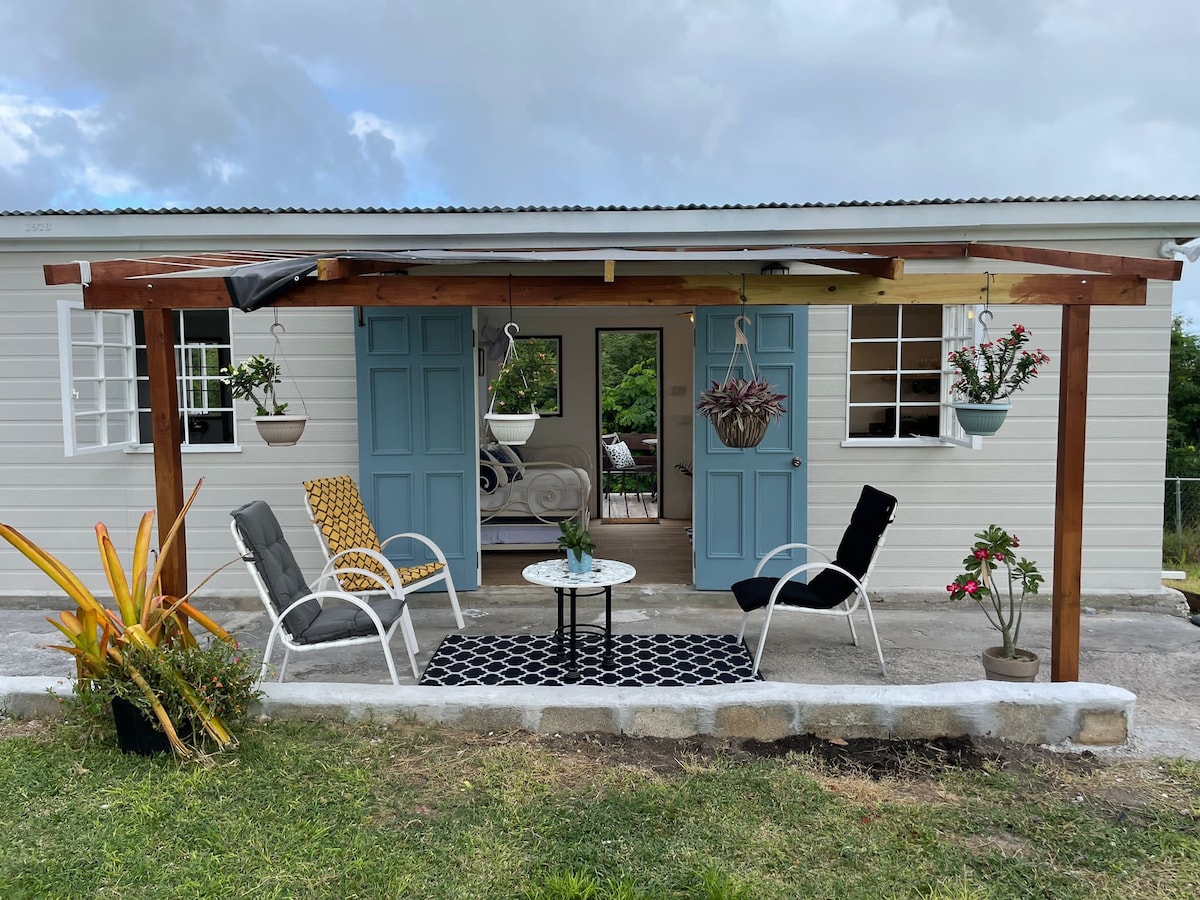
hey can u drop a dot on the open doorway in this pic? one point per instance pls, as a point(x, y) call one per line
point(629, 402)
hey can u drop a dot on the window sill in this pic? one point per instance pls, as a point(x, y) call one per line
point(189, 448)
point(923, 441)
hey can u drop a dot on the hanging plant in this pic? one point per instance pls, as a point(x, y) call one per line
point(512, 411)
point(740, 409)
point(255, 380)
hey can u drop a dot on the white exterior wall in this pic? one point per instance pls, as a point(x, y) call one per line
point(55, 501)
point(945, 493)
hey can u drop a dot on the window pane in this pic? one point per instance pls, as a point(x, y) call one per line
point(919, 420)
point(873, 357)
point(922, 321)
point(87, 397)
point(921, 355)
point(120, 428)
point(85, 362)
point(116, 362)
point(117, 396)
point(874, 321)
point(87, 430)
point(872, 389)
point(872, 421)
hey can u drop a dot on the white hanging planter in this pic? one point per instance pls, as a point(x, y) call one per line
point(508, 428)
point(280, 431)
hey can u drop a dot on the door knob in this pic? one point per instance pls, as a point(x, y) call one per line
point(797, 462)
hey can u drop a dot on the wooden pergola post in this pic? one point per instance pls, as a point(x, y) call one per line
point(1068, 493)
point(168, 462)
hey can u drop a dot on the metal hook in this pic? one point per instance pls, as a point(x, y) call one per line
point(739, 336)
point(514, 326)
point(278, 329)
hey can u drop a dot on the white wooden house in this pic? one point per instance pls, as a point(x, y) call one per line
point(863, 409)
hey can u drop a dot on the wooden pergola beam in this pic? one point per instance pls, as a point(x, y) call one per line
point(1103, 263)
point(637, 291)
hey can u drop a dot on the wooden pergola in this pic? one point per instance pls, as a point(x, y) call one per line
point(870, 274)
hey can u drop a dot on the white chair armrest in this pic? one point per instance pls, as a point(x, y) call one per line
point(775, 551)
point(859, 590)
point(320, 596)
point(420, 538)
point(332, 568)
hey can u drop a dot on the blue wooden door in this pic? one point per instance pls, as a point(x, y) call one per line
point(416, 433)
point(749, 501)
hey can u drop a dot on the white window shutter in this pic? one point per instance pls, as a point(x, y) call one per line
point(960, 328)
point(98, 379)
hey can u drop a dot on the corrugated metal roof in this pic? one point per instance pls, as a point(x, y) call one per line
point(690, 207)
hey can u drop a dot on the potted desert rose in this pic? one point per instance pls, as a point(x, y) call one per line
point(992, 576)
point(987, 375)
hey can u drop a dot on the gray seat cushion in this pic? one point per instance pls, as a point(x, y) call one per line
point(277, 566)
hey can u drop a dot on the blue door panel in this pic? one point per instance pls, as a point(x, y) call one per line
point(749, 501)
point(417, 459)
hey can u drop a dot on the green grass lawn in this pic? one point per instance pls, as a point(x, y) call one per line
point(319, 810)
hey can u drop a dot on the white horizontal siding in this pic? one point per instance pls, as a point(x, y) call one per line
point(947, 494)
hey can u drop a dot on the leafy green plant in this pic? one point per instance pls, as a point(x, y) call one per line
point(993, 550)
point(144, 650)
point(574, 537)
point(527, 380)
point(741, 401)
point(996, 369)
point(255, 380)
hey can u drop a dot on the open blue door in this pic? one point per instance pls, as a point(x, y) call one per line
point(416, 432)
point(749, 501)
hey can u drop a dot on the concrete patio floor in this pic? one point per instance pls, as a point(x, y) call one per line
point(1139, 670)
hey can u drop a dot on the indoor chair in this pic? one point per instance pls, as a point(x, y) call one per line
point(836, 582)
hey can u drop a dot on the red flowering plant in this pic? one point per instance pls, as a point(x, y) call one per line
point(996, 369)
point(994, 550)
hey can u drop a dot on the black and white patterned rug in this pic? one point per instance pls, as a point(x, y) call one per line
point(662, 660)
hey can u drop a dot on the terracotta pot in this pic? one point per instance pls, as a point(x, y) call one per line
point(280, 431)
point(1024, 667)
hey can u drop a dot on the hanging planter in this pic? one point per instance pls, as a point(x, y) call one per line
point(511, 414)
point(280, 431)
point(981, 418)
point(740, 409)
point(987, 375)
point(255, 380)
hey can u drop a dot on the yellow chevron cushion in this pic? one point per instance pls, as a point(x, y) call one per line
point(338, 511)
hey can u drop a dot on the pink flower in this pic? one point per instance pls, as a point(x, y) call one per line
point(999, 557)
point(1019, 329)
point(981, 553)
point(1016, 542)
point(971, 587)
point(951, 588)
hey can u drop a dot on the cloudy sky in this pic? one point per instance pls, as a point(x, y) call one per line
point(394, 103)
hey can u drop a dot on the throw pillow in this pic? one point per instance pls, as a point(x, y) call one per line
point(491, 472)
point(619, 455)
point(507, 457)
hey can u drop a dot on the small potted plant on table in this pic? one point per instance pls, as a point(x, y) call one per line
point(990, 373)
point(993, 550)
point(575, 540)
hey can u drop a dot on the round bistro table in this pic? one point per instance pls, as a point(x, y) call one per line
point(605, 573)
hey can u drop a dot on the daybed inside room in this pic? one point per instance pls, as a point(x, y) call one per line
point(524, 492)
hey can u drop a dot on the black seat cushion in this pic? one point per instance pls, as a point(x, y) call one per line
point(871, 517)
point(276, 564)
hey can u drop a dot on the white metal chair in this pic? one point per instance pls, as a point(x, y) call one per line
point(345, 532)
point(836, 582)
point(304, 618)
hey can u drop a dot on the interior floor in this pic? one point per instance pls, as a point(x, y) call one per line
point(660, 551)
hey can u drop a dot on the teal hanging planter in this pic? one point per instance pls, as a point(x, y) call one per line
point(981, 418)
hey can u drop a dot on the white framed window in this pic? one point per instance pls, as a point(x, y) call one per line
point(202, 348)
point(99, 397)
point(898, 377)
point(106, 385)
